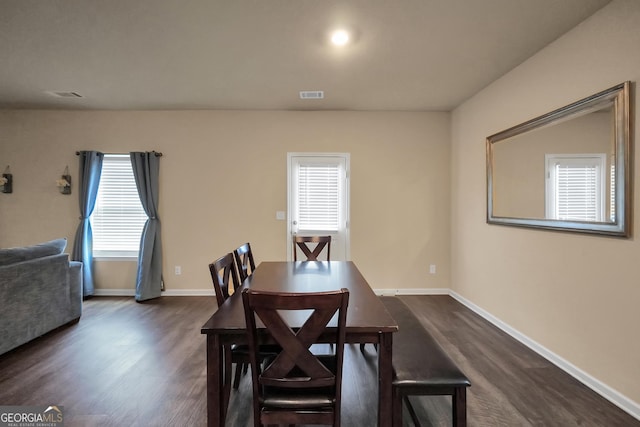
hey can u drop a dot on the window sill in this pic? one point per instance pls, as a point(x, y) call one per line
point(115, 258)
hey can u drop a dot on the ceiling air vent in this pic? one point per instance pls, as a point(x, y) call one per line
point(63, 94)
point(311, 94)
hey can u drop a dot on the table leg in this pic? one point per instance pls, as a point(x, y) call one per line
point(385, 378)
point(226, 389)
point(215, 375)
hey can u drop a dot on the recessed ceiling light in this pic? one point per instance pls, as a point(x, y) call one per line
point(340, 37)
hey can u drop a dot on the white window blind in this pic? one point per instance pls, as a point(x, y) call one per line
point(612, 194)
point(319, 197)
point(577, 192)
point(575, 187)
point(118, 216)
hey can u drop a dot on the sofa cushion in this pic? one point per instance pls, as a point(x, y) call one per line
point(25, 253)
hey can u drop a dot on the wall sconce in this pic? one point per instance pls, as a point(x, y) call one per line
point(6, 181)
point(64, 183)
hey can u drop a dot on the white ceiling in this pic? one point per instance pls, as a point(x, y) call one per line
point(408, 55)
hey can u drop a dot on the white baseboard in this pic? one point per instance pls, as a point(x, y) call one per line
point(425, 291)
point(615, 397)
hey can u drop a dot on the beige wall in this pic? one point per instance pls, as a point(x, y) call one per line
point(223, 177)
point(577, 295)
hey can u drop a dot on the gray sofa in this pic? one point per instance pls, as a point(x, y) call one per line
point(40, 290)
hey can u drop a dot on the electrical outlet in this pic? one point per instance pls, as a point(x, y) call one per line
point(432, 269)
point(178, 270)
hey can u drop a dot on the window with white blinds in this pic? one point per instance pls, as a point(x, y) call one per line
point(319, 197)
point(576, 195)
point(575, 189)
point(118, 216)
point(612, 194)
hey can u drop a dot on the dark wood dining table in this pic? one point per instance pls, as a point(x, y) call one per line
point(367, 322)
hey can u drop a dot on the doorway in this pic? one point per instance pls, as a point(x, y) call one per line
point(318, 199)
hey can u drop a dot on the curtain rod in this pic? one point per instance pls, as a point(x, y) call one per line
point(158, 154)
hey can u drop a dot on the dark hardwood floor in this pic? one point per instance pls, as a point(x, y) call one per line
point(130, 364)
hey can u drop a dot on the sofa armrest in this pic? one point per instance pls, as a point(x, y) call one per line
point(38, 296)
point(75, 285)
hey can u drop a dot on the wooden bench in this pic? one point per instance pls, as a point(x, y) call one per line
point(421, 367)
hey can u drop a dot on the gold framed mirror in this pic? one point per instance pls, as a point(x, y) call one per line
point(566, 170)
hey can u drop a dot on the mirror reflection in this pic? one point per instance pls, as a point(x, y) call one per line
point(565, 170)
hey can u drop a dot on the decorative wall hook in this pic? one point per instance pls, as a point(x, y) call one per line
point(64, 183)
point(6, 181)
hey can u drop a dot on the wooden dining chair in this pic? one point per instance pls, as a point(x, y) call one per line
point(225, 282)
point(244, 261)
point(296, 386)
point(302, 242)
point(224, 277)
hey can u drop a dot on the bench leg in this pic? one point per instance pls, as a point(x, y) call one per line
point(397, 408)
point(459, 404)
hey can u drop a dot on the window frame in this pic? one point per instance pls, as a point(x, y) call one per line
point(595, 160)
point(340, 245)
point(117, 254)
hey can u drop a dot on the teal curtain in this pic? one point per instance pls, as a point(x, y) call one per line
point(89, 174)
point(146, 170)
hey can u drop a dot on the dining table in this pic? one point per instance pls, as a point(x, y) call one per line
point(367, 322)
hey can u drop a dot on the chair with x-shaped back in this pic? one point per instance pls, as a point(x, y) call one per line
point(244, 261)
point(312, 255)
point(224, 277)
point(296, 386)
point(225, 282)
